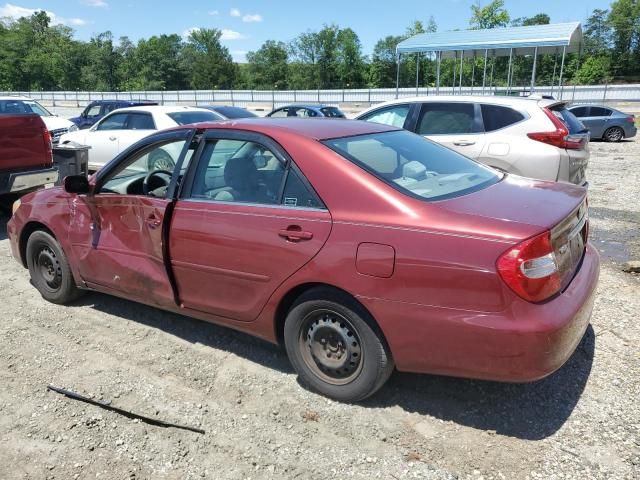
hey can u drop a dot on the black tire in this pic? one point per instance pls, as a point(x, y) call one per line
point(49, 269)
point(613, 134)
point(161, 160)
point(335, 346)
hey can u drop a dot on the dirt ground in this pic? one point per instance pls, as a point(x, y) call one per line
point(583, 422)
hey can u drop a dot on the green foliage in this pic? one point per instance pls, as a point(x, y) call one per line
point(490, 16)
point(268, 66)
point(593, 70)
point(208, 63)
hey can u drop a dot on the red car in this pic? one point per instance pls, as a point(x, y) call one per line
point(359, 246)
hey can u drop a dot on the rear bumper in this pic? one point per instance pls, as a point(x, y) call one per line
point(17, 182)
point(630, 132)
point(524, 343)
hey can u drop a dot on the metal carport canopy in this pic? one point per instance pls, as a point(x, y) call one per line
point(498, 41)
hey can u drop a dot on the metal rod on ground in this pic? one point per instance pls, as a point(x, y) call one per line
point(509, 72)
point(533, 71)
point(126, 413)
point(564, 51)
point(484, 73)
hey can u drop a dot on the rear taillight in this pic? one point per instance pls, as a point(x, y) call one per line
point(631, 119)
point(559, 137)
point(530, 268)
point(48, 145)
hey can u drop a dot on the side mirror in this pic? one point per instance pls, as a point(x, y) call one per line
point(76, 184)
point(260, 161)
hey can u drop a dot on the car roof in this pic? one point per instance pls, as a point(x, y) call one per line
point(305, 105)
point(161, 109)
point(16, 97)
point(312, 128)
point(494, 99)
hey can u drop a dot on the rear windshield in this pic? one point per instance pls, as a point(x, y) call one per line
point(414, 165)
point(23, 107)
point(332, 112)
point(569, 119)
point(235, 112)
point(185, 118)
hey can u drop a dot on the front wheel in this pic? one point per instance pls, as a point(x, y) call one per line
point(49, 269)
point(613, 134)
point(161, 160)
point(335, 347)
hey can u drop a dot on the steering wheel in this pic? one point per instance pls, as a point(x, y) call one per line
point(150, 175)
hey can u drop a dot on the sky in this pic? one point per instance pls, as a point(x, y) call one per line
point(247, 24)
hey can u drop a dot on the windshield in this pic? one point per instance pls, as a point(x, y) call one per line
point(414, 165)
point(23, 107)
point(569, 119)
point(332, 112)
point(187, 117)
point(235, 112)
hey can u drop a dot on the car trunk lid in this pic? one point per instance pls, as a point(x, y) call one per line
point(25, 143)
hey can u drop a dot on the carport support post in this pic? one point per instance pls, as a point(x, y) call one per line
point(438, 60)
point(533, 72)
point(455, 65)
point(461, 65)
point(397, 73)
point(509, 71)
point(555, 65)
point(473, 70)
point(484, 73)
point(417, 70)
point(564, 51)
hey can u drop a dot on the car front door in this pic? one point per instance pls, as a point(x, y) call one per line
point(456, 125)
point(103, 138)
point(117, 231)
point(246, 221)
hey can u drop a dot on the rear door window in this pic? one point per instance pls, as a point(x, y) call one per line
point(395, 115)
point(447, 119)
point(140, 121)
point(580, 111)
point(599, 112)
point(496, 117)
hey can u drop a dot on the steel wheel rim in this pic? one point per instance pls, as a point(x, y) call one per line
point(331, 347)
point(48, 268)
point(615, 134)
point(162, 162)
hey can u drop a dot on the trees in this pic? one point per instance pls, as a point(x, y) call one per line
point(268, 66)
point(490, 16)
point(624, 19)
point(208, 63)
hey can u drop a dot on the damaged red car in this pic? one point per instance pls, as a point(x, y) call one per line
point(360, 247)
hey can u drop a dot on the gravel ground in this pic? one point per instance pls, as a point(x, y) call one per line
point(583, 422)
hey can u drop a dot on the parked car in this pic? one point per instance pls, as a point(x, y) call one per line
point(307, 111)
point(225, 112)
point(99, 108)
point(532, 137)
point(18, 105)
point(432, 262)
point(121, 128)
point(606, 123)
point(26, 160)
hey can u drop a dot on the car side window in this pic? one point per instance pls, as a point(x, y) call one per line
point(129, 176)
point(306, 112)
point(93, 111)
point(496, 117)
point(140, 121)
point(116, 121)
point(599, 112)
point(283, 112)
point(580, 111)
point(394, 115)
point(238, 171)
point(298, 194)
point(447, 119)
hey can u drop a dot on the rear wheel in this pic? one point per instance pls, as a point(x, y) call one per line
point(335, 347)
point(49, 269)
point(613, 134)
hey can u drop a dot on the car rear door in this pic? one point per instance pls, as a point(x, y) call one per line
point(245, 222)
point(456, 125)
point(596, 121)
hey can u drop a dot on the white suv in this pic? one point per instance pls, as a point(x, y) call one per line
point(531, 137)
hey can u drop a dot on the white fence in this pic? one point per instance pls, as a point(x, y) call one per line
point(573, 93)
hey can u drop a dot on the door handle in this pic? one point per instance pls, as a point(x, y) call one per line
point(464, 143)
point(153, 222)
point(294, 233)
point(113, 138)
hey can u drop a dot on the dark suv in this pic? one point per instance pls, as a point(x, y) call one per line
point(99, 108)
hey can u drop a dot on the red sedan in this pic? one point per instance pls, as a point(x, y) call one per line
point(361, 247)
